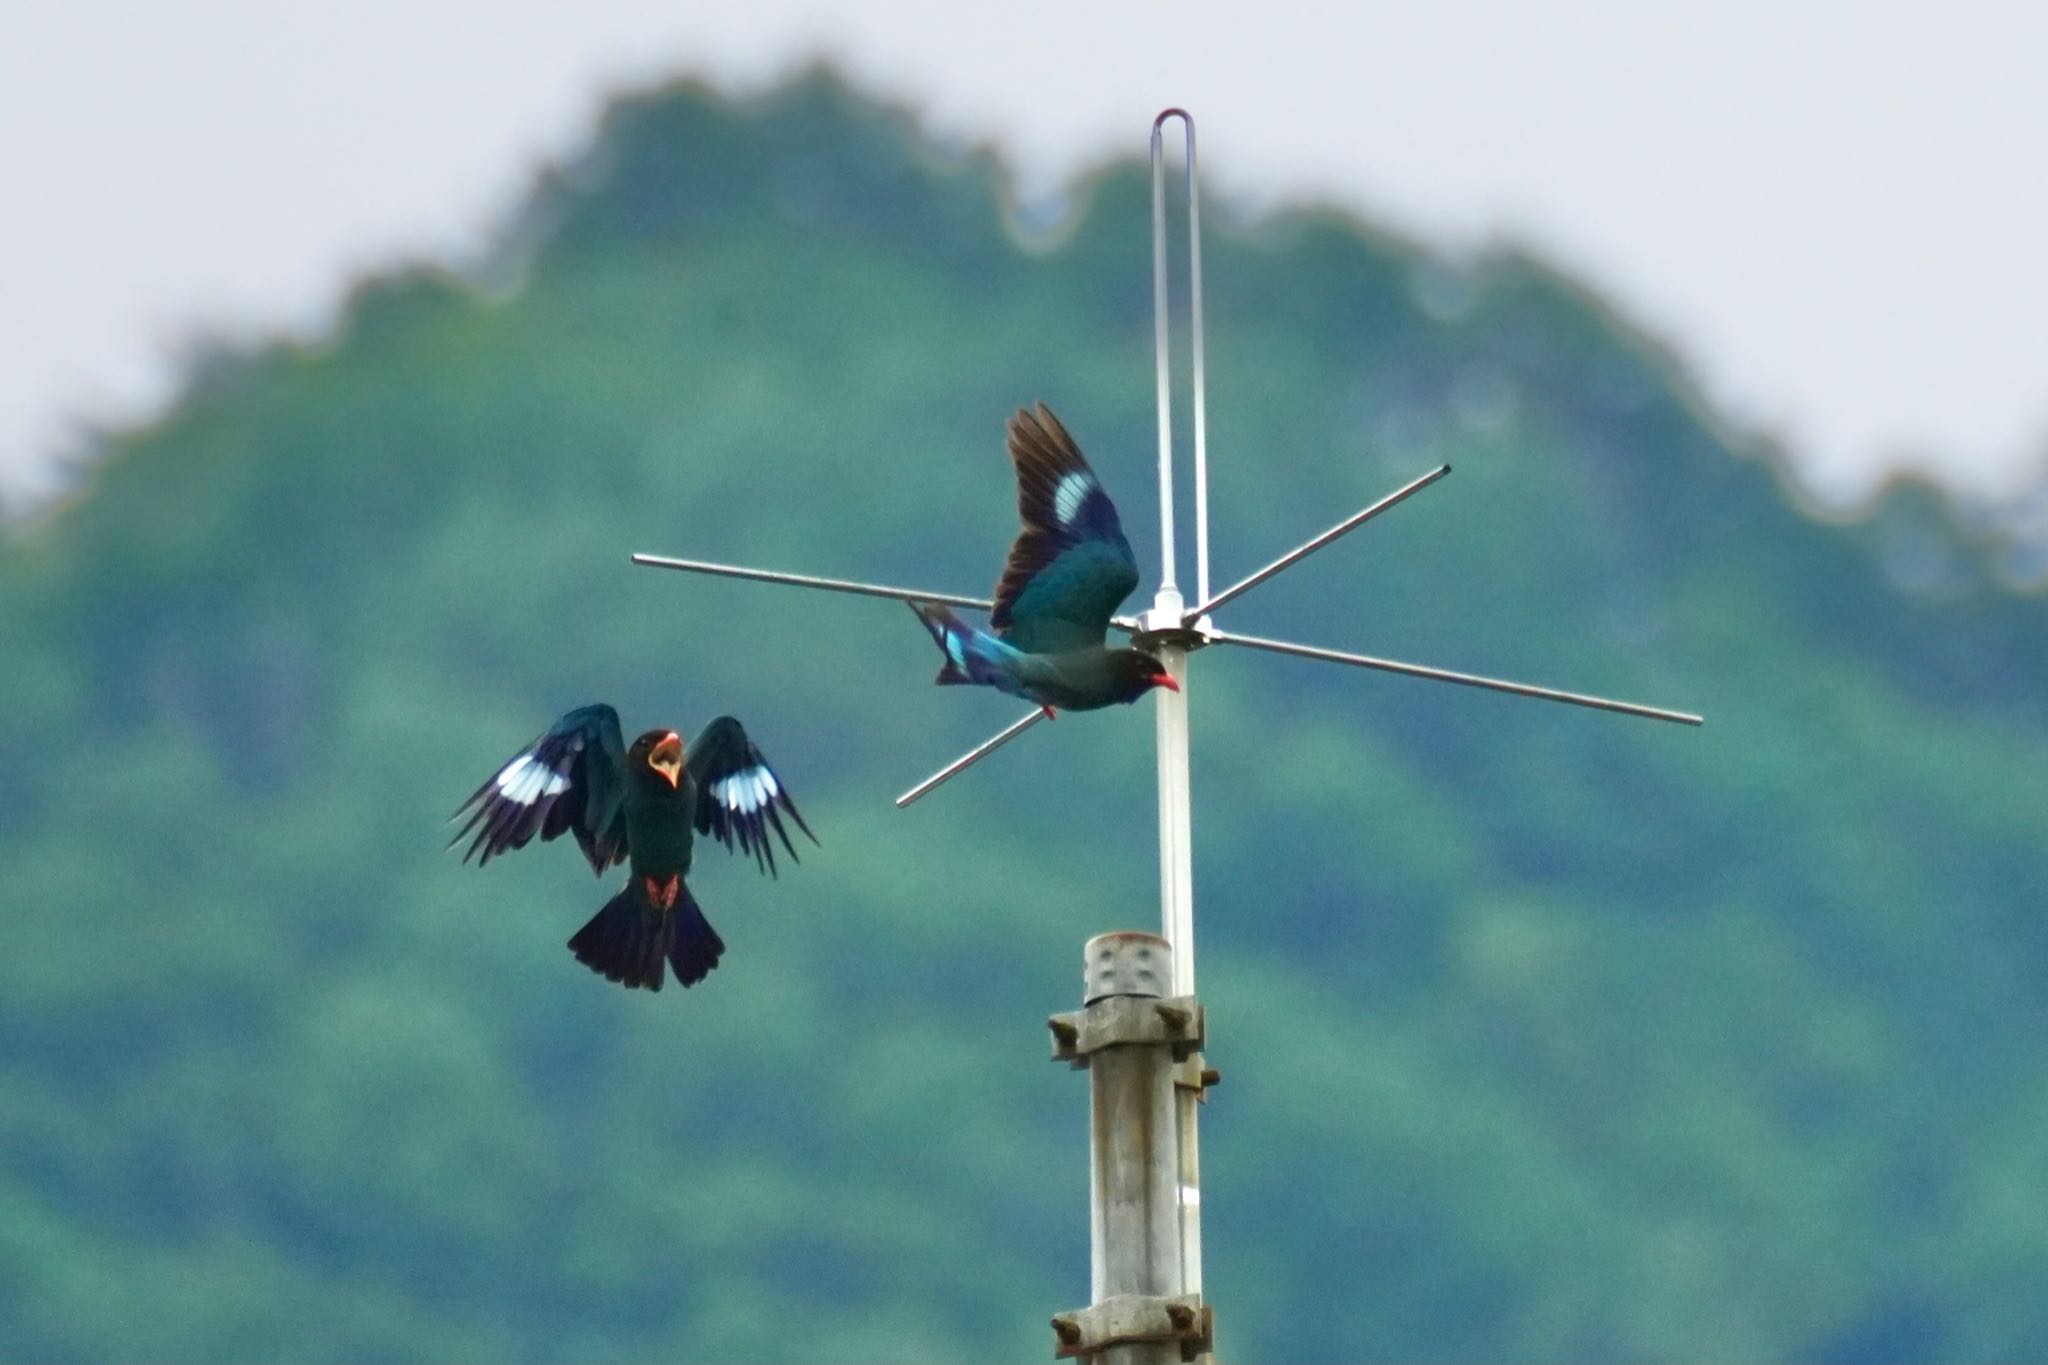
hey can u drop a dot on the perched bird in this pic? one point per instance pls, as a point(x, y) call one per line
point(1068, 571)
point(642, 805)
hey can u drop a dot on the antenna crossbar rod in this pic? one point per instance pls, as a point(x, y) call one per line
point(1626, 708)
point(971, 757)
point(1127, 624)
point(1309, 547)
point(804, 580)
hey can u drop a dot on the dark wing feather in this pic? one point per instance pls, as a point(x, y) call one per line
point(739, 797)
point(1070, 567)
point(571, 778)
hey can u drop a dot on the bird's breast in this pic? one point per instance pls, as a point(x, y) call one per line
point(658, 827)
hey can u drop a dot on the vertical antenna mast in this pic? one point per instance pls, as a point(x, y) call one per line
point(1162, 350)
point(1161, 332)
point(1164, 621)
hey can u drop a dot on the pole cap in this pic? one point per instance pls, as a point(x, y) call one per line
point(1128, 962)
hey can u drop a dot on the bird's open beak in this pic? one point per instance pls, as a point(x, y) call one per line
point(667, 758)
point(1165, 679)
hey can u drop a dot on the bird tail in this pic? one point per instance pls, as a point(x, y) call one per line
point(644, 926)
point(971, 656)
point(695, 947)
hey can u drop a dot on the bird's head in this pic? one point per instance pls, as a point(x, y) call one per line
point(1134, 673)
point(661, 751)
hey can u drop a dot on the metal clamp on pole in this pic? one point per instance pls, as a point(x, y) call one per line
point(1134, 1040)
point(1185, 1323)
point(1120, 1020)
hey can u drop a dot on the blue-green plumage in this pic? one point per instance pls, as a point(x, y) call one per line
point(1068, 571)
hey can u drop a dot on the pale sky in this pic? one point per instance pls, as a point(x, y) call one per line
point(1835, 210)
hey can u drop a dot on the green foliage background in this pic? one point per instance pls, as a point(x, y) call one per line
point(1548, 1035)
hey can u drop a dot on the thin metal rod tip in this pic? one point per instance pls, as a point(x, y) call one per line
point(1519, 689)
point(1310, 546)
point(804, 580)
point(1162, 361)
point(970, 758)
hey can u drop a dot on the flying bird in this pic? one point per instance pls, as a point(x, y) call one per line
point(1068, 571)
point(643, 805)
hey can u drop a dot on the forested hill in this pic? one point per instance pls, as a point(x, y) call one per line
point(1547, 1034)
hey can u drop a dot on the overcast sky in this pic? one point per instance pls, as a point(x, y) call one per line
point(1835, 209)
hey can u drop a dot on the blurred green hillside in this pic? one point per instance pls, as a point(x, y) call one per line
point(1548, 1035)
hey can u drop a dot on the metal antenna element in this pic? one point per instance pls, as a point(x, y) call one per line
point(1163, 363)
point(1127, 624)
point(972, 757)
point(1309, 547)
point(804, 580)
point(1166, 635)
point(1335, 656)
point(1172, 631)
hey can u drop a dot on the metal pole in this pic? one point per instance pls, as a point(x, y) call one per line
point(1176, 847)
point(1177, 915)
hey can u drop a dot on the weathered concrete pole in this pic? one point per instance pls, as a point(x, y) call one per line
point(1132, 1037)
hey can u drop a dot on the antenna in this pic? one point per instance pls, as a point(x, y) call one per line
point(1136, 1298)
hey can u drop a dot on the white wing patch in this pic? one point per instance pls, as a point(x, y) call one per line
point(1068, 497)
point(748, 791)
point(526, 780)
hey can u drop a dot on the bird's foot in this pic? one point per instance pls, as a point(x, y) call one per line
point(1049, 713)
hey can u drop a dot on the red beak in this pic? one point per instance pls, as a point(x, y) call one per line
point(667, 757)
point(1164, 679)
